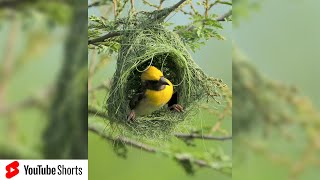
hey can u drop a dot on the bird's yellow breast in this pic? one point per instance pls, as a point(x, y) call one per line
point(162, 97)
point(154, 100)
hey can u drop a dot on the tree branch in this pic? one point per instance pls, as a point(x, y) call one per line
point(13, 3)
point(166, 11)
point(125, 140)
point(104, 37)
point(94, 111)
point(178, 4)
point(206, 9)
point(147, 148)
point(114, 34)
point(97, 3)
point(201, 136)
point(161, 14)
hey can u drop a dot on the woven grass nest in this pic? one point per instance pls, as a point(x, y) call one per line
point(153, 44)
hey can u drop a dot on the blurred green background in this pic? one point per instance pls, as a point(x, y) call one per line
point(35, 52)
point(215, 59)
point(281, 39)
point(38, 69)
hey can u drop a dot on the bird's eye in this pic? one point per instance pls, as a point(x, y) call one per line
point(152, 81)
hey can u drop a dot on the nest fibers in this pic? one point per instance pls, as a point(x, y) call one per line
point(152, 44)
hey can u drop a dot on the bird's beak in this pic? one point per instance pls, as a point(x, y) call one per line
point(163, 81)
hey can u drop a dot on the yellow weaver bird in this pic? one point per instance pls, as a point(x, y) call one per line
point(157, 91)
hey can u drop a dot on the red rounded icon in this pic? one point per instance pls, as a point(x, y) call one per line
point(12, 169)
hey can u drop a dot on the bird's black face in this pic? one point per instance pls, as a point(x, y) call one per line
point(156, 85)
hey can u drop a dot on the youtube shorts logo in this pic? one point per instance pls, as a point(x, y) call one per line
point(12, 169)
point(43, 169)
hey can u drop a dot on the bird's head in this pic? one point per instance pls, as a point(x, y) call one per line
point(155, 75)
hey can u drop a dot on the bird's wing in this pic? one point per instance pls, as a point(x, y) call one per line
point(173, 100)
point(135, 100)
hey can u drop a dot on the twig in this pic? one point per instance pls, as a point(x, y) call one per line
point(224, 16)
point(8, 61)
point(160, 4)
point(206, 9)
point(165, 12)
point(191, 27)
point(185, 12)
point(220, 2)
point(115, 8)
point(104, 37)
point(37, 100)
point(193, 8)
point(149, 4)
point(99, 87)
point(213, 4)
point(97, 3)
point(201, 136)
point(132, 5)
